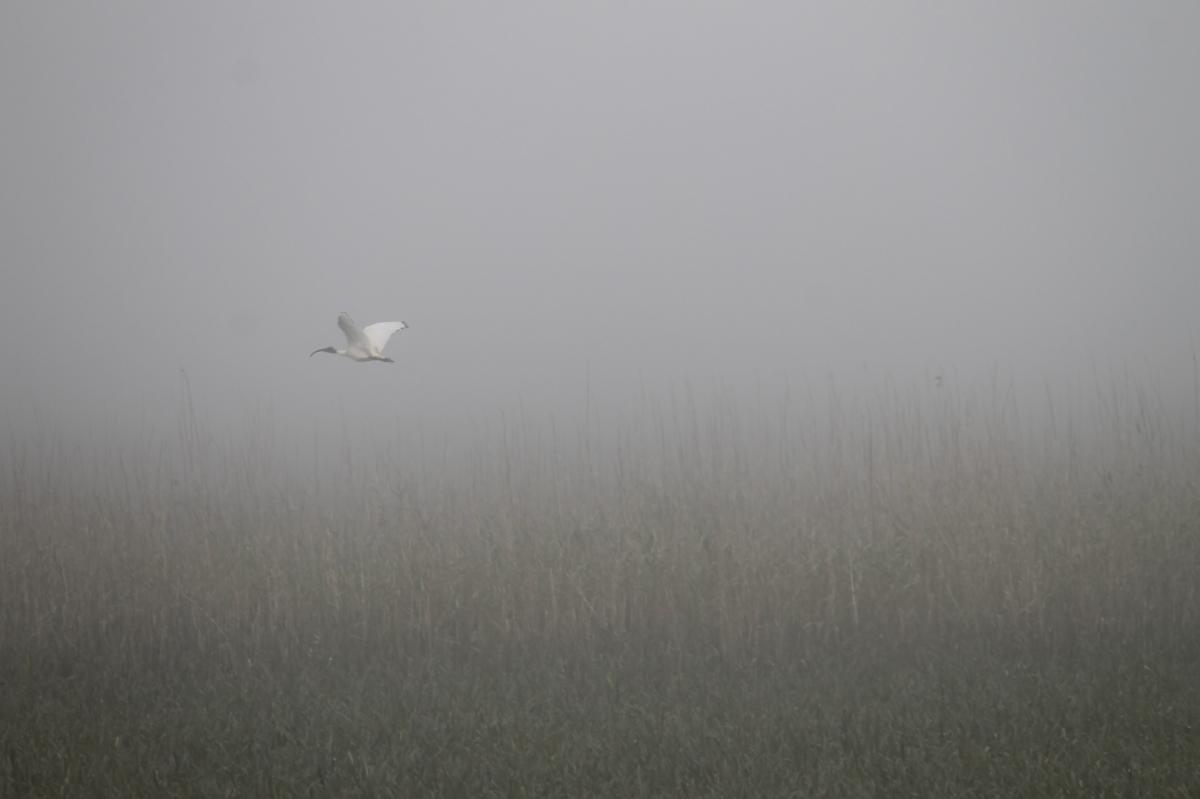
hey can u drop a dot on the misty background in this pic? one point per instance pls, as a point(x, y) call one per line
point(578, 203)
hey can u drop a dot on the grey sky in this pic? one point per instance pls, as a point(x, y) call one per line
point(639, 192)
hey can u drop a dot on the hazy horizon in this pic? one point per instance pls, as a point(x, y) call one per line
point(587, 201)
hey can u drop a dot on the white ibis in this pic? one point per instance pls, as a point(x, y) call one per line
point(366, 343)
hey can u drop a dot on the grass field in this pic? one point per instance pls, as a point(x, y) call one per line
point(926, 592)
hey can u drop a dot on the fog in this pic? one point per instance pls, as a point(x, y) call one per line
point(583, 203)
point(799, 399)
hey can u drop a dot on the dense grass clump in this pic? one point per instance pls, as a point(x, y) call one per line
point(924, 594)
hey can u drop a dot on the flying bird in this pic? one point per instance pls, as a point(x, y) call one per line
point(365, 343)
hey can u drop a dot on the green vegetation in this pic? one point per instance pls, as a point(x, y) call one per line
point(906, 594)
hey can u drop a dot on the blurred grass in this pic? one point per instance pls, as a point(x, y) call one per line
point(902, 593)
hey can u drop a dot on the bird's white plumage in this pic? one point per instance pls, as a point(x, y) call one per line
point(379, 333)
point(367, 343)
point(354, 335)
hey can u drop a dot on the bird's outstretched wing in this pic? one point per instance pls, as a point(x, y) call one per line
point(379, 333)
point(353, 334)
